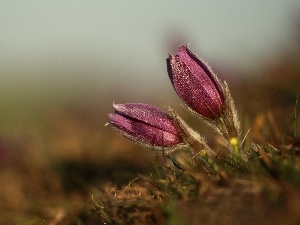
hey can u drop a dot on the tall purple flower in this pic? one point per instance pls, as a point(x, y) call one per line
point(145, 124)
point(195, 83)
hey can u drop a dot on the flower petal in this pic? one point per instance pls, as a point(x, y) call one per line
point(145, 124)
point(195, 83)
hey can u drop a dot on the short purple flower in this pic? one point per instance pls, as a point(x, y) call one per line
point(195, 83)
point(145, 124)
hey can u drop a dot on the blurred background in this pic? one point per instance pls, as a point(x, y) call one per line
point(101, 51)
point(63, 63)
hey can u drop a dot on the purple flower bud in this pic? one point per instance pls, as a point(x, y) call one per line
point(145, 124)
point(195, 83)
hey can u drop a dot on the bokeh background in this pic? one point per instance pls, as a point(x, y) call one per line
point(100, 50)
point(63, 63)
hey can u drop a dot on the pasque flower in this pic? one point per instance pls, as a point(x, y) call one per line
point(204, 94)
point(145, 124)
point(151, 127)
point(195, 83)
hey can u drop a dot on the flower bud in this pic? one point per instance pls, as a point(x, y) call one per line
point(196, 84)
point(145, 124)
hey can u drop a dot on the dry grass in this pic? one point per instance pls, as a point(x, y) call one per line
point(72, 171)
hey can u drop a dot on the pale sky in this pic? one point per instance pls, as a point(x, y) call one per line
point(127, 42)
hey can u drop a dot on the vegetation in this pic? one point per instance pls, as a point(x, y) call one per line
point(69, 169)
